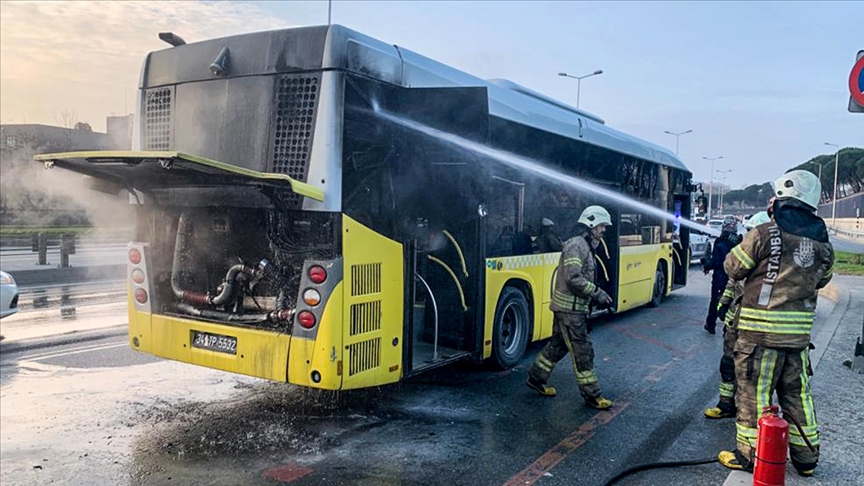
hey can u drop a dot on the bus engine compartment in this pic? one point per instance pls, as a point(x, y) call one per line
point(238, 266)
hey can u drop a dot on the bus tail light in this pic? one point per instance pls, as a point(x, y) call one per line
point(134, 256)
point(317, 274)
point(311, 297)
point(138, 276)
point(306, 319)
point(141, 296)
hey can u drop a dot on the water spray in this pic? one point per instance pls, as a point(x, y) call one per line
point(535, 167)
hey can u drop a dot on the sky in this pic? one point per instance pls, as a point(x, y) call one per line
point(762, 84)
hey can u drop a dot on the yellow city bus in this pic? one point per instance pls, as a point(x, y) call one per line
point(286, 230)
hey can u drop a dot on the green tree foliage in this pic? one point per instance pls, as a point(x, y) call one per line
point(752, 196)
point(850, 176)
point(850, 179)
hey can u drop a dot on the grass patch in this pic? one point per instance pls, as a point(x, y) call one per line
point(848, 263)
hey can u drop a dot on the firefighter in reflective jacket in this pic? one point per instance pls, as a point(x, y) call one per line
point(727, 310)
point(783, 264)
point(572, 295)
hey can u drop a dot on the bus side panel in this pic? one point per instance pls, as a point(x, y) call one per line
point(637, 272)
point(324, 353)
point(550, 271)
point(139, 327)
point(260, 353)
point(373, 310)
point(636, 275)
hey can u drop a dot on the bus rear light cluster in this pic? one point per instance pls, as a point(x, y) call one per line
point(317, 274)
point(306, 319)
point(138, 278)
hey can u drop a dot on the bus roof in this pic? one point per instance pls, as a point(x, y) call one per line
point(337, 47)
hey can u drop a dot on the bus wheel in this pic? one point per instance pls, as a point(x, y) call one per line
point(659, 287)
point(510, 331)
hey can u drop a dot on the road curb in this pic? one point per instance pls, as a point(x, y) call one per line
point(73, 337)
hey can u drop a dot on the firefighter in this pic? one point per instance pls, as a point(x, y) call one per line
point(726, 311)
point(722, 246)
point(572, 295)
point(548, 241)
point(783, 264)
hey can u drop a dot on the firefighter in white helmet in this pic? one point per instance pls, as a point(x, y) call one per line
point(727, 309)
point(572, 296)
point(782, 264)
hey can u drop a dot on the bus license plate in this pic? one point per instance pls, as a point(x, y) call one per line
point(214, 342)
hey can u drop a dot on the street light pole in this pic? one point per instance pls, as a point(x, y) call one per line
point(834, 199)
point(711, 187)
point(721, 187)
point(677, 135)
point(579, 82)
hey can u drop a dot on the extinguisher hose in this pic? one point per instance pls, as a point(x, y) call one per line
point(792, 418)
point(657, 465)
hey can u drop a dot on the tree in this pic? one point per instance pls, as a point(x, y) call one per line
point(850, 173)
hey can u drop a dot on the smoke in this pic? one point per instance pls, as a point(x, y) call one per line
point(31, 196)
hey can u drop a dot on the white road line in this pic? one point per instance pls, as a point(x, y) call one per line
point(78, 350)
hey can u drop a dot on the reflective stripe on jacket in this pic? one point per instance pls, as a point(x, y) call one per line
point(574, 283)
point(782, 273)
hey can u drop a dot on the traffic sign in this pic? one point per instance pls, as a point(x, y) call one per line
point(856, 85)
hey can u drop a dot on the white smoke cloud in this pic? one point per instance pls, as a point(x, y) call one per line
point(87, 56)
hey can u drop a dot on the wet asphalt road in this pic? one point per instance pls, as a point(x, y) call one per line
point(96, 412)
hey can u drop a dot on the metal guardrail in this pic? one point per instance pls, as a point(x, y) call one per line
point(847, 233)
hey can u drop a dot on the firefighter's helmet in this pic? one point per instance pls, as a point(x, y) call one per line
point(595, 215)
point(801, 185)
point(757, 219)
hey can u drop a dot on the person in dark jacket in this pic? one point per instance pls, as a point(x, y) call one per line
point(548, 241)
point(725, 242)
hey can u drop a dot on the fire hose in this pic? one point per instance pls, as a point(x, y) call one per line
point(697, 462)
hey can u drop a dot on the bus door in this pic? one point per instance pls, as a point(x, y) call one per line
point(436, 212)
point(680, 242)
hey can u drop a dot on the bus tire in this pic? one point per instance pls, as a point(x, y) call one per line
point(510, 329)
point(659, 286)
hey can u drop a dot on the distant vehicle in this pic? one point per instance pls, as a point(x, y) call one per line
point(8, 295)
point(701, 244)
point(716, 224)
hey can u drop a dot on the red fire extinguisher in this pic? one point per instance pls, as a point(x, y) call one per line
point(772, 442)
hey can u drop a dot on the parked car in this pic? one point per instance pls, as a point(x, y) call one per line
point(8, 295)
point(701, 244)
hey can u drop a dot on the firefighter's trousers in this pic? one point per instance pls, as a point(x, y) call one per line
point(760, 372)
point(569, 335)
point(728, 384)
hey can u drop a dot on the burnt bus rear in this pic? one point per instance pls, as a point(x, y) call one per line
point(241, 243)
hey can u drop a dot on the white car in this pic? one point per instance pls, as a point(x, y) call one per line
point(8, 295)
point(701, 244)
point(715, 224)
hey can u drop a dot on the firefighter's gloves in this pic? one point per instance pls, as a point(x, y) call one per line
point(602, 298)
point(722, 310)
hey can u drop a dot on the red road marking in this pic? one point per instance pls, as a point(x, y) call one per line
point(570, 443)
point(650, 340)
point(577, 438)
point(287, 473)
